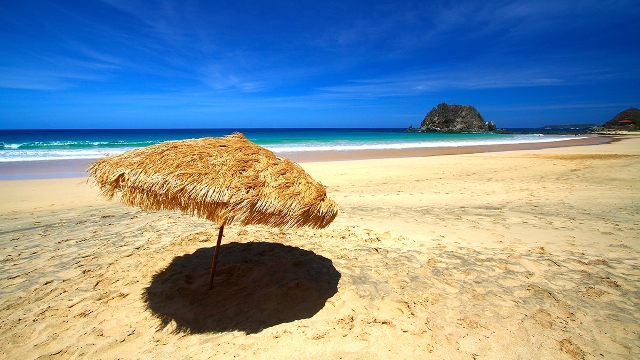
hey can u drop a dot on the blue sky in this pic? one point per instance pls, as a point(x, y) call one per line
point(238, 64)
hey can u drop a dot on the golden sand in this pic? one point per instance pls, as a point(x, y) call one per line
point(517, 254)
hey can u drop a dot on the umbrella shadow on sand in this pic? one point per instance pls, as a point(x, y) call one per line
point(257, 285)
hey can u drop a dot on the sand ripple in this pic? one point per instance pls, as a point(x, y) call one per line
point(135, 283)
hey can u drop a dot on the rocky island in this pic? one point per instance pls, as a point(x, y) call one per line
point(454, 119)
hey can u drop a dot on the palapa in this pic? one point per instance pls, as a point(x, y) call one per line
point(225, 180)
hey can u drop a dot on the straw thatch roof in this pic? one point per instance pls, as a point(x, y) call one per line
point(224, 180)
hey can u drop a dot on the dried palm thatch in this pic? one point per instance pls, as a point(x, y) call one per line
point(224, 180)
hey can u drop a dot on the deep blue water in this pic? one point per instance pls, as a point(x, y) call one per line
point(28, 145)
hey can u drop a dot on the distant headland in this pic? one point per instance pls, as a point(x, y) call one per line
point(625, 120)
point(447, 118)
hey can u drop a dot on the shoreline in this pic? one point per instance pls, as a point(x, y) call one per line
point(74, 168)
point(317, 156)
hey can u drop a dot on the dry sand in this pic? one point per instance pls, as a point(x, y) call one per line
point(518, 254)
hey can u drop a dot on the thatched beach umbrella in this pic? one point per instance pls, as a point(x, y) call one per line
point(224, 180)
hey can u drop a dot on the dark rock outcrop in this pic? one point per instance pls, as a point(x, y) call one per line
point(454, 119)
point(625, 120)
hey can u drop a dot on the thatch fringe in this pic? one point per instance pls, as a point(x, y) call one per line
point(224, 180)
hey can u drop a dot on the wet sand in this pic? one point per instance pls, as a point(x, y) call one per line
point(45, 169)
point(438, 151)
point(512, 254)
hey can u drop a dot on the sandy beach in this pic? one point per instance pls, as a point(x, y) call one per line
point(513, 254)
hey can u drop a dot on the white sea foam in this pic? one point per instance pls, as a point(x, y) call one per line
point(57, 154)
point(414, 144)
point(11, 153)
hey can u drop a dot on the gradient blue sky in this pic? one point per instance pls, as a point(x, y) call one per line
point(235, 64)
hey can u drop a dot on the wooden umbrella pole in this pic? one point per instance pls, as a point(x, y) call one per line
point(215, 257)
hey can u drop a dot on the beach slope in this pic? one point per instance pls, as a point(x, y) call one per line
point(516, 254)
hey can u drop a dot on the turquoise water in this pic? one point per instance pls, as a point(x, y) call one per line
point(31, 145)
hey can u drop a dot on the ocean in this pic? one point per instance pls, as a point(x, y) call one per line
point(33, 145)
